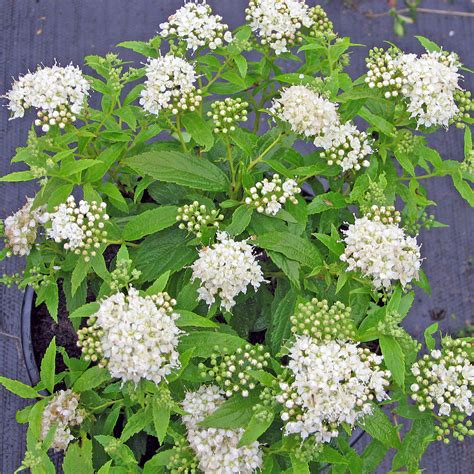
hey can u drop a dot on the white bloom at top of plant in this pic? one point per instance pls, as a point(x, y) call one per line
point(21, 228)
point(225, 270)
point(429, 83)
point(139, 336)
point(308, 113)
point(333, 383)
point(268, 196)
point(195, 23)
point(79, 225)
point(215, 448)
point(278, 22)
point(57, 92)
point(169, 85)
point(381, 251)
point(63, 410)
point(350, 148)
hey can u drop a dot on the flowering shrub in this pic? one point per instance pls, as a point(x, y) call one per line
point(238, 295)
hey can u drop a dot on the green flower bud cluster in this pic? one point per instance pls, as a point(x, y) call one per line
point(88, 339)
point(382, 72)
point(232, 372)
point(307, 451)
point(468, 163)
point(456, 426)
point(465, 105)
point(323, 322)
point(187, 100)
point(425, 221)
point(33, 459)
point(265, 410)
point(163, 396)
point(195, 217)
point(374, 194)
point(183, 459)
point(390, 327)
point(13, 279)
point(406, 142)
point(123, 275)
point(322, 25)
point(226, 113)
point(384, 214)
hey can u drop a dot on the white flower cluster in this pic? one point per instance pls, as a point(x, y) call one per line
point(428, 82)
point(139, 336)
point(21, 228)
point(225, 270)
point(57, 92)
point(381, 251)
point(278, 22)
point(333, 383)
point(215, 448)
point(445, 378)
point(195, 23)
point(196, 217)
point(269, 196)
point(64, 412)
point(169, 86)
point(350, 149)
point(79, 226)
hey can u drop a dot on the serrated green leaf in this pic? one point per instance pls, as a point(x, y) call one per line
point(199, 129)
point(18, 388)
point(161, 419)
point(429, 339)
point(394, 358)
point(204, 342)
point(150, 222)
point(378, 426)
point(188, 318)
point(78, 458)
point(240, 220)
point(48, 366)
point(91, 378)
point(136, 423)
point(325, 202)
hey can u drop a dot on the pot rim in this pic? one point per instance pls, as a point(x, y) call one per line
point(26, 339)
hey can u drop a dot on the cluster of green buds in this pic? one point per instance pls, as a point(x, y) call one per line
point(233, 372)
point(264, 411)
point(322, 25)
point(123, 275)
point(383, 72)
point(384, 214)
point(88, 339)
point(425, 221)
point(186, 101)
point(196, 217)
point(307, 451)
point(406, 142)
point(390, 326)
point(226, 113)
point(456, 426)
point(183, 459)
point(443, 379)
point(465, 105)
point(468, 163)
point(323, 322)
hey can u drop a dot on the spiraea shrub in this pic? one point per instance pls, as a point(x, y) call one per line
point(233, 230)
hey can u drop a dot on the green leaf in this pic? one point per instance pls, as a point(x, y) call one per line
point(79, 274)
point(199, 129)
point(114, 195)
point(463, 187)
point(159, 460)
point(291, 246)
point(91, 378)
point(85, 310)
point(149, 222)
point(17, 177)
point(51, 298)
point(254, 430)
point(188, 318)
point(429, 339)
point(325, 202)
point(379, 123)
point(145, 49)
point(282, 308)
point(331, 456)
point(378, 426)
point(104, 161)
point(136, 423)
point(240, 220)
point(159, 285)
point(48, 366)
point(394, 358)
point(179, 168)
point(161, 419)
point(18, 388)
point(78, 458)
point(429, 45)
point(76, 166)
point(331, 243)
point(241, 64)
point(204, 342)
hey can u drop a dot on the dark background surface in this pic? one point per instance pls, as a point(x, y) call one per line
point(41, 31)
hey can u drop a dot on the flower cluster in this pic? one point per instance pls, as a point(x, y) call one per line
point(384, 214)
point(123, 274)
point(170, 86)
point(382, 252)
point(89, 340)
point(79, 226)
point(278, 23)
point(217, 449)
point(195, 24)
point(225, 270)
point(332, 383)
point(139, 336)
point(269, 196)
point(21, 228)
point(350, 148)
point(195, 217)
point(231, 372)
point(307, 112)
point(320, 24)
point(323, 322)
point(226, 113)
point(383, 72)
point(64, 412)
point(58, 93)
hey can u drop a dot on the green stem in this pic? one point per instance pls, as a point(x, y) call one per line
point(180, 135)
point(105, 405)
point(122, 242)
point(230, 159)
point(264, 152)
point(218, 74)
point(425, 176)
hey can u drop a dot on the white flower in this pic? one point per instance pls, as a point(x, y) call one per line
point(63, 411)
point(333, 383)
point(225, 270)
point(195, 24)
point(21, 228)
point(57, 92)
point(169, 85)
point(308, 113)
point(381, 251)
point(278, 22)
point(79, 226)
point(139, 336)
point(216, 449)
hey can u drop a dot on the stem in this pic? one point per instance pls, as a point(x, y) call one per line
point(218, 74)
point(230, 159)
point(105, 405)
point(425, 176)
point(180, 135)
point(122, 242)
point(421, 10)
point(264, 152)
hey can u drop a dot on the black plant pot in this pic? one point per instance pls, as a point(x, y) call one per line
point(26, 337)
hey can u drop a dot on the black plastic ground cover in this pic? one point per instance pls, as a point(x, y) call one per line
point(41, 31)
